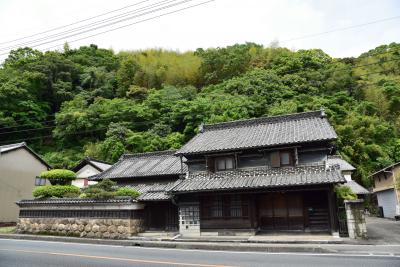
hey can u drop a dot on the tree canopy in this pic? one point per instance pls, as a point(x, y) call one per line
point(95, 102)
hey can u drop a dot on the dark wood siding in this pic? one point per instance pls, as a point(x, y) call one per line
point(231, 211)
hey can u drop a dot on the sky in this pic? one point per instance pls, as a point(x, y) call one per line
point(215, 24)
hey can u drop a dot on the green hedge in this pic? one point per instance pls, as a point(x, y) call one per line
point(59, 191)
point(58, 176)
point(124, 191)
point(344, 192)
point(108, 189)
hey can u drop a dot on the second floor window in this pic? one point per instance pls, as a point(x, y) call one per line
point(281, 158)
point(225, 163)
point(285, 158)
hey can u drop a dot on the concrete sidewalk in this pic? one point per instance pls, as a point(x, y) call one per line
point(271, 239)
point(356, 249)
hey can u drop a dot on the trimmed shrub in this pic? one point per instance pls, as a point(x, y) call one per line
point(104, 189)
point(58, 191)
point(59, 176)
point(344, 192)
point(124, 191)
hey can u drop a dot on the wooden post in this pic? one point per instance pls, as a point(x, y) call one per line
point(252, 210)
point(332, 213)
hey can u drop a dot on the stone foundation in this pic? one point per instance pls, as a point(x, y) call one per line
point(92, 228)
point(114, 219)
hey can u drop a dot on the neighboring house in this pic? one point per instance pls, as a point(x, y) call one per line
point(152, 174)
point(19, 168)
point(264, 174)
point(386, 189)
point(347, 169)
point(86, 168)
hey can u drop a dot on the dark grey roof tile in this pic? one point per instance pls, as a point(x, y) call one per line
point(259, 178)
point(261, 132)
point(144, 165)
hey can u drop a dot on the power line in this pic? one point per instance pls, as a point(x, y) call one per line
point(340, 29)
point(290, 72)
point(113, 29)
point(74, 23)
point(49, 127)
point(135, 123)
point(44, 136)
point(49, 37)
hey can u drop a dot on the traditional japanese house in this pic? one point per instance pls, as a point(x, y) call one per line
point(265, 174)
point(152, 174)
point(87, 168)
point(347, 169)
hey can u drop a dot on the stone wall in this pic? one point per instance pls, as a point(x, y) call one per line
point(356, 225)
point(85, 227)
point(115, 219)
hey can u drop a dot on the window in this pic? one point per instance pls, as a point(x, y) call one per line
point(224, 206)
point(224, 163)
point(235, 209)
point(281, 158)
point(285, 158)
point(216, 209)
point(255, 160)
point(40, 181)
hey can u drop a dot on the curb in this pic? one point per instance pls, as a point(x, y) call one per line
point(178, 245)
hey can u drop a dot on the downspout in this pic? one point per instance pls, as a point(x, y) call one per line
point(180, 156)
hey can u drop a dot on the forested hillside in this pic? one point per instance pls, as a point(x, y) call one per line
point(92, 101)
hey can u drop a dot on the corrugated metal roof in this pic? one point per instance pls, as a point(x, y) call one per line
point(144, 165)
point(97, 164)
point(337, 160)
point(9, 147)
point(101, 165)
point(261, 132)
point(259, 178)
point(356, 188)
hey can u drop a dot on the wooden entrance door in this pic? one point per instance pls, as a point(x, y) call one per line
point(161, 216)
point(281, 211)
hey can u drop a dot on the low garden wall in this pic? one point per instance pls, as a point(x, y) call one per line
point(116, 218)
point(356, 219)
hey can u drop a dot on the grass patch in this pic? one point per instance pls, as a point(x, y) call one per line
point(7, 230)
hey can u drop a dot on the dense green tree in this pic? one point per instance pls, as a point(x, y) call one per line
point(92, 102)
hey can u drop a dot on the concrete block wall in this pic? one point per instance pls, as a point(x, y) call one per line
point(356, 225)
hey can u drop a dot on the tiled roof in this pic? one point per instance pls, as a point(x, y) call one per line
point(337, 160)
point(356, 188)
point(154, 191)
point(144, 165)
point(259, 178)
point(261, 132)
point(73, 201)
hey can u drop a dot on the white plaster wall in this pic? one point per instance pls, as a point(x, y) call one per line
point(83, 174)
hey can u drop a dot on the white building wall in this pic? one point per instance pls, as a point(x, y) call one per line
point(83, 174)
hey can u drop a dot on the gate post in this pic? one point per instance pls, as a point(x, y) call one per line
point(356, 219)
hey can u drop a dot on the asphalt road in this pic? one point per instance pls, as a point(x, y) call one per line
point(43, 253)
point(383, 231)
